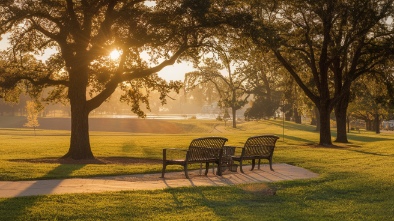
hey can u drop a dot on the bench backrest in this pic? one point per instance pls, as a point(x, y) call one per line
point(262, 145)
point(206, 148)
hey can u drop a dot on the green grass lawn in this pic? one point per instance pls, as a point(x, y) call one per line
point(355, 183)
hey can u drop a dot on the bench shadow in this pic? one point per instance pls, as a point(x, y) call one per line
point(199, 196)
point(25, 202)
point(370, 153)
point(209, 198)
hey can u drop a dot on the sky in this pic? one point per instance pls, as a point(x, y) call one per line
point(3, 43)
point(172, 72)
point(176, 71)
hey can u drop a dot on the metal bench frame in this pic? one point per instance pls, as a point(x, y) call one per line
point(257, 148)
point(201, 150)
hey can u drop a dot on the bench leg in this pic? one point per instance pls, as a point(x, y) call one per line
point(186, 172)
point(240, 166)
point(270, 159)
point(206, 168)
point(253, 164)
point(164, 163)
point(163, 171)
point(258, 165)
point(219, 171)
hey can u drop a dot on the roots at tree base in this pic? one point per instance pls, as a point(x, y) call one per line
point(78, 156)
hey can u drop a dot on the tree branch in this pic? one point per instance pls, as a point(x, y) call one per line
point(146, 72)
point(297, 78)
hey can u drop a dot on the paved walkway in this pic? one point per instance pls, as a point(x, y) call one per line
point(282, 172)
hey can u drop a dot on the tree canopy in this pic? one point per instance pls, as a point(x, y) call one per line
point(325, 45)
point(83, 34)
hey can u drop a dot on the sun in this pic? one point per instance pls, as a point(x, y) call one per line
point(114, 55)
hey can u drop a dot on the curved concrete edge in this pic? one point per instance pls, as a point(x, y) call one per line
point(283, 172)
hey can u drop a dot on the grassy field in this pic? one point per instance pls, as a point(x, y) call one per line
point(355, 181)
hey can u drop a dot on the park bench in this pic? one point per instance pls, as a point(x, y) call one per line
point(257, 148)
point(201, 150)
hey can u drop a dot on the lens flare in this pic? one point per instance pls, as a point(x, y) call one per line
point(114, 55)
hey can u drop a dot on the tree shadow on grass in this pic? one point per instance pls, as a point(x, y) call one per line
point(371, 153)
point(293, 138)
point(16, 208)
point(310, 128)
point(363, 138)
point(294, 126)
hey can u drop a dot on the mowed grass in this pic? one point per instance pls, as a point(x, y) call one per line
point(20, 144)
point(355, 181)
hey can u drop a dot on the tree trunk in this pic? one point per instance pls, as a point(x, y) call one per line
point(348, 123)
point(377, 123)
point(313, 121)
point(296, 114)
point(297, 117)
point(340, 115)
point(234, 113)
point(317, 114)
point(368, 125)
point(325, 130)
point(79, 141)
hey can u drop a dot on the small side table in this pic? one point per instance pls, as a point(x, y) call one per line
point(227, 160)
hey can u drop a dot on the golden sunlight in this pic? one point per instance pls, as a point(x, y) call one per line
point(114, 55)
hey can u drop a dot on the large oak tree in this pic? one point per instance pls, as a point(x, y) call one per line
point(149, 35)
point(325, 45)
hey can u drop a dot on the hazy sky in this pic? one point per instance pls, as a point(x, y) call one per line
point(176, 71)
point(3, 42)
